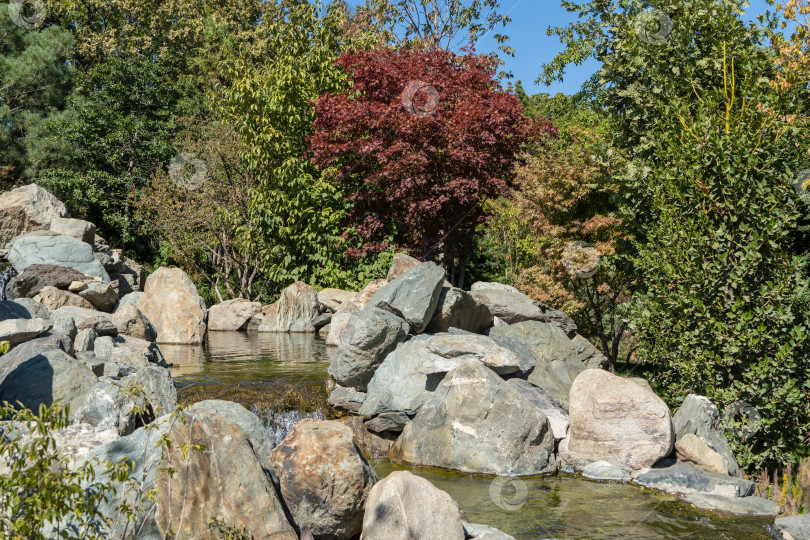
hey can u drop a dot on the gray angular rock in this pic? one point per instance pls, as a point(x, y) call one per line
point(46, 247)
point(399, 385)
point(295, 311)
point(590, 356)
point(459, 309)
point(29, 349)
point(346, 399)
point(103, 296)
point(102, 325)
point(792, 527)
point(369, 336)
point(111, 405)
point(13, 310)
point(333, 299)
point(514, 307)
point(685, 478)
point(18, 330)
point(130, 321)
point(698, 416)
point(232, 314)
point(85, 340)
point(77, 228)
point(492, 286)
point(336, 328)
point(131, 298)
point(323, 478)
point(34, 309)
point(27, 208)
point(558, 363)
point(414, 294)
point(476, 422)
point(450, 350)
point(371, 445)
point(64, 326)
point(735, 506)
point(171, 303)
point(615, 420)
point(394, 422)
point(602, 470)
point(404, 506)
point(49, 377)
point(80, 315)
point(556, 415)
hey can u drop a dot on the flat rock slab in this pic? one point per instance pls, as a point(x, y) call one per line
point(602, 470)
point(46, 247)
point(414, 295)
point(476, 422)
point(685, 479)
point(792, 527)
point(19, 330)
point(735, 506)
point(450, 350)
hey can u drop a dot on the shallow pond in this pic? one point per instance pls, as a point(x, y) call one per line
point(274, 373)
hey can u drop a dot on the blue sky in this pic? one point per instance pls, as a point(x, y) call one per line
point(533, 47)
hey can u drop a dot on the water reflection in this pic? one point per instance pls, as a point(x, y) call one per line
point(228, 357)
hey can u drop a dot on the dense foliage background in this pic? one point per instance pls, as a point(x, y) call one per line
point(256, 143)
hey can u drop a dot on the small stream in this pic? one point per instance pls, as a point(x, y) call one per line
point(282, 378)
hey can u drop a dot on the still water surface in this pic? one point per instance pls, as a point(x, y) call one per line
point(554, 507)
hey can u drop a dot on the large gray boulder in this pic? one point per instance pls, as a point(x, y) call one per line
point(46, 378)
point(590, 356)
point(323, 478)
point(404, 506)
point(459, 309)
point(25, 209)
point(615, 420)
point(558, 361)
point(368, 337)
point(399, 385)
point(232, 314)
point(16, 331)
point(414, 295)
point(448, 351)
point(46, 247)
point(173, 306)
point(295, 311)
point(29, 349)
point(13, 310)
point(698, 416)
point(514, 307)
point(476, 422)
point(38, 276)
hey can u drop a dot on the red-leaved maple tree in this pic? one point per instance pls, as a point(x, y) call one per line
point(420, 141)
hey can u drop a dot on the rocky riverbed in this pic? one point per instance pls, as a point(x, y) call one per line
point(488, 384)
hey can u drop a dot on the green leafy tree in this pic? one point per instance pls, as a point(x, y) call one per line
point(712, 152)
point(296, 214)
point(35, 80)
